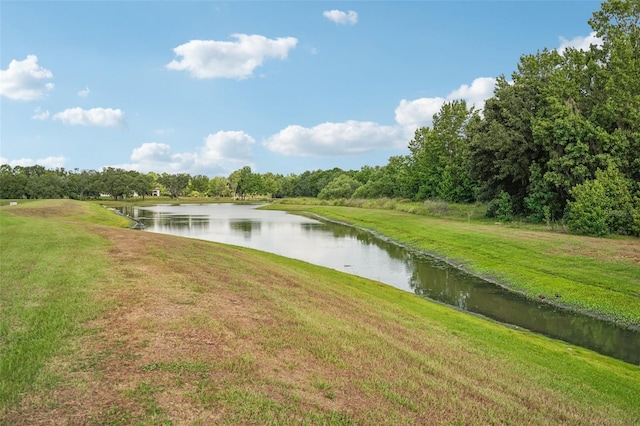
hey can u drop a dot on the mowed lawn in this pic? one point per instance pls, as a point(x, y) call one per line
point(100, 324)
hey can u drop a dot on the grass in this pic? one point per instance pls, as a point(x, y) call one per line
point(165, 330)
point(46, 276)
point(434, 208)
point(599, 276)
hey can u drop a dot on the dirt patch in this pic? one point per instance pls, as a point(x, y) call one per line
point(43, 209)
point(606, 249)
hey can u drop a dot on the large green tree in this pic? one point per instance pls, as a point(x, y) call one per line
point(440, 155)
point(176, 184)
point(342, 186)
point(244, 182)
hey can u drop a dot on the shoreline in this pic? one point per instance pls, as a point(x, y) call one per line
point(502, 283)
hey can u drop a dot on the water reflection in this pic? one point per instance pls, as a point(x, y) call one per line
point(245, 226)
point(362, 253)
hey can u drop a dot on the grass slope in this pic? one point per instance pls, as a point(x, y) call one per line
point(163, 330)
point(592, 275)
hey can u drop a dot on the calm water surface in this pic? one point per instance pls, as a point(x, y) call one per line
point(360, 253)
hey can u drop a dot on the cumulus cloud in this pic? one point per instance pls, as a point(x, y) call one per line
point(418, 112)
point(412, 114)
point(84, 92)
point(48, 162)
point(158, 157)
point(477, 93)
point(103, 117)
point(38, 114)
point(357, 137)
point(579, 42)
point(229, 59)
point(340, 17)
point(25, 80)
point(332, 139)
point(152, 152)
point(222, 146)
point(221, 153)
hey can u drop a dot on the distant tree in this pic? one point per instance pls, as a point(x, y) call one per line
point(342, 186)
point(245, 182)
point(116, 182)
point(45, 184)
point(287, 186)
point(393, 180)
point(272, 184)
point(198, 185)
point(83, 184)
point(218, 187)
point(12, 182)
point(140, 183)
point(176, 184)
point(365, 173)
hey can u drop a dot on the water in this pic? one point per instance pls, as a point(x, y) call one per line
point(361, 253)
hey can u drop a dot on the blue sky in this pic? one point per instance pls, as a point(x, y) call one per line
point(207, 87)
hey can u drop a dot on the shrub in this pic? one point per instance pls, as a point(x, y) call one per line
point(501, 207)
point(602, 206)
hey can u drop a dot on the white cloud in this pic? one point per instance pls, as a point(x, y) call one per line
point(333, 139)
point(48, 162)
point(157, 157)
point(38, 114)
point(25, 80)
point(84, 92)
point(222, 153)
point(152, 152)
point(419, 112)
point(356, 137)
point(340, 17)
point(579, 42)
point(103, 117)
point(475, 95)
point(229, 59)
point(226, 146)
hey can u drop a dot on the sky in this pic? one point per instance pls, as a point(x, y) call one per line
point(208, 87)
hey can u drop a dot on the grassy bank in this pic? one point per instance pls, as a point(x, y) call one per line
point(164, 330)
point(593, 275)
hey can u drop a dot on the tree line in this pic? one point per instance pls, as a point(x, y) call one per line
point(32, 182)
point(558, 141)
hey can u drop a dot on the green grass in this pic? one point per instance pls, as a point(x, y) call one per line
point(49, 271)
point(262, 340)
point(593, 275)
point(433, 208)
